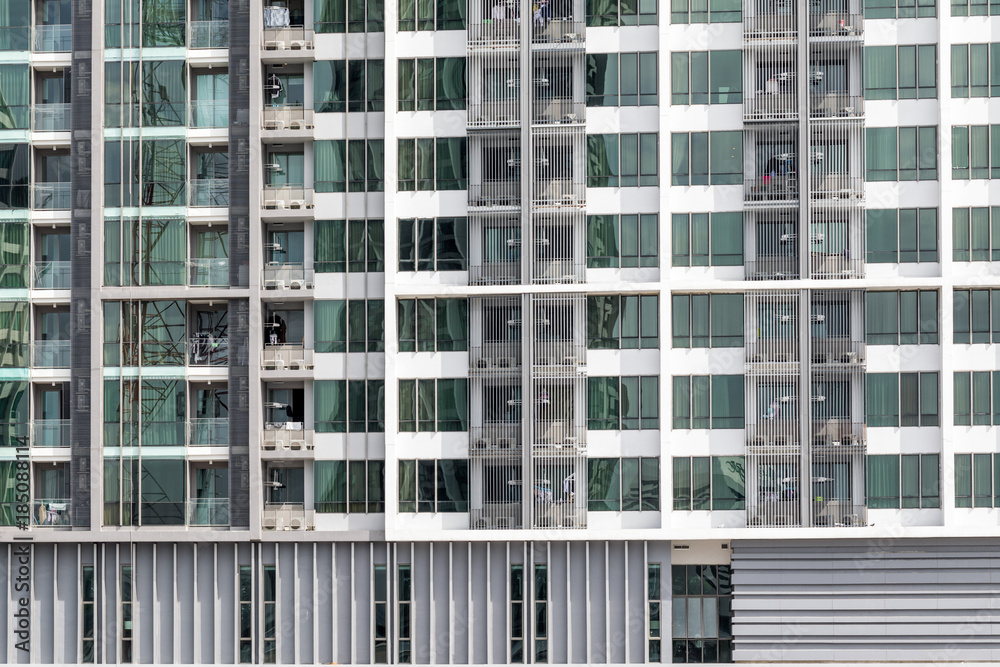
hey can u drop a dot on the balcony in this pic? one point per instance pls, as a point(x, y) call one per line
point(50, 512)
point(208, 113)
point(562, 32)
point(494, 25)
point(774, 436)
point(208, 192)
point(773, 352)
point(287, 516)
point(838, 352)
point(838, 435)
point(208, 35)
point(50, 433)
point(285, 197)
point(208, 272)
point(836, 105)
point(288, 38)
point(496, 516)
point(208, 350)
point(775, 510)
point(782, 267)
point(286, 357)
point(835, 18)
point(777, 189)
point(778, 100)
point(52, 354)
point(497, 439)
point(772, 20)
point(558, 357)
point(287, 118)
point(558, 437)
point(492, 193)
point(51, 196)
point(839, 514)
point(837, 188)
point(208, 512)
point(50, 117)
point(559, 515)
point(495, 357)
point(286, 437)
point(52, 38)
point(208, 432)
point(287, 276)
point(52, 275)
point(558, 110)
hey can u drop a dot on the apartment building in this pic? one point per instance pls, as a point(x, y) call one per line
point(487, 331)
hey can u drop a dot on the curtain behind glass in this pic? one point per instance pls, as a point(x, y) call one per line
point(329, 86)
point(603, 485)
point(14, 97)
point(15, 22)
point(15, 255)
point(164, 251)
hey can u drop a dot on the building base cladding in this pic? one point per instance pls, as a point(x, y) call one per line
point(865, 601)
point(338, 602)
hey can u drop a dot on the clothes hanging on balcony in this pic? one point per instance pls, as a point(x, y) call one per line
point(276, 17)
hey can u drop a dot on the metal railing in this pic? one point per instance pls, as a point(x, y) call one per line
point(286, 197)
point(771, 510)
point(288, 38)
point(839, 514)
point(495, 439)
point(50, 433)
point(208, 113)
point(559, 515)
point(558, 435)
point(558, 110)
point(567, 31)
point(208, 272)
point(50, 512)
point(496, 516)
point(287, 276)
point(770, 20)
point(495, 193)
point(52, 38)
point(781, 188)
point(837, 351)
point(292, 117)
point(287, 516)
point(772, 351)
point(286, 357)
point(208, 512)
point(208, 432)
point(837, 434)
point(836, 105)
point(286, 436)
point(778, 436)
point(771, 105)
point(832, 18)
point(501, 28)
point(51, 196)
point(837, 265)
point(772, 268)
point(207, 350)
point(495, 356)
point(208, 35)
point(208, 192)
point(52, 354)
point(837, 186)
point(52, 275)
point(50, 117)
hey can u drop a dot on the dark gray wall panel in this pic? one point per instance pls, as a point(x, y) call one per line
point(866, 600)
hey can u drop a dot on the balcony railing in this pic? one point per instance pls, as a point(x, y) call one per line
point(494, 357)
point(839, 514)
point(836, 105)
point(280, 197)
point(208, 432)
point(837, 265)
point(495, 272)
point(558, 191)
point(559, 515)
point(837, 435)
point(209, 113)
point(50, 117)
point(287, 118)
point(774, 436)
point(53, 38)
point(496, 516)
point(51, 196)
point(561, 435)
point(209, 35)
point(780, 189)
point(495, 193)
point(50, 512)
point(772, 351)
point(837, 352)
point(552, 354)
point(208, 350)
point(287, 276)
point(558, 110)
point(52, 275)
point(771, 20)
point(777, 101)
point(495, 439)
point(288, 38)
point(208, 512)
point(567, 270)
point(287, 516)
point(773, 268)
point(499, 28)
point(52, 353)
point(208, 272)
point(50, 433)
point(286, 357)
point(208, 192)
point(839, 186)
point(286, 436)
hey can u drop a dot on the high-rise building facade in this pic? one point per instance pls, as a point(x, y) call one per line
point(495, 331)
